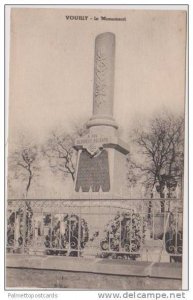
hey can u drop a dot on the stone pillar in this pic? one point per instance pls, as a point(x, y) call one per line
point(101, 163)
point(103, 89)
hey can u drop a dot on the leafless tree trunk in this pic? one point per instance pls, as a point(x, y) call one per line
point(23, 163)
point(60, 152)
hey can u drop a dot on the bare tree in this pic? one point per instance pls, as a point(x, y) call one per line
point(161, 151)
point(60, 152)
point(23, 165)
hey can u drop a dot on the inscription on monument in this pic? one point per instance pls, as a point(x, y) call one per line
point(92, 143)
point(93, 172)
point(91, 140)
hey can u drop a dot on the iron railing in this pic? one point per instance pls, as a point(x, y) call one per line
point(143, 229)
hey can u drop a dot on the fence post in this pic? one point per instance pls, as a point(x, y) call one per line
point(177, 191)
point(165, 191)
point(79, 233)
point(24, 226)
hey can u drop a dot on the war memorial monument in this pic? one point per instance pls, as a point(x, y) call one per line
point(101, 163)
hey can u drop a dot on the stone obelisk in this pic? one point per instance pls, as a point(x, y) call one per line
point(103, 93)
point(101, 162)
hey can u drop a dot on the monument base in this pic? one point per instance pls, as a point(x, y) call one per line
point(101, 166)
point(102, 120)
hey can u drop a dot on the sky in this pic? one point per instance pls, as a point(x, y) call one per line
point(51, 67)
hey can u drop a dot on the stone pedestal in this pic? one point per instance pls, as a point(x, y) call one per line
point(101, 163)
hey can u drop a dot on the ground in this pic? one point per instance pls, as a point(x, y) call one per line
point(33, 278)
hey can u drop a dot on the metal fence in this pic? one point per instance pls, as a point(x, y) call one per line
point(144, 229)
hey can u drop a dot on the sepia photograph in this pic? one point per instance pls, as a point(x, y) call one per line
point(96, 141)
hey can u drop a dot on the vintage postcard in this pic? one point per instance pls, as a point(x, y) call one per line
point(96, 148)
